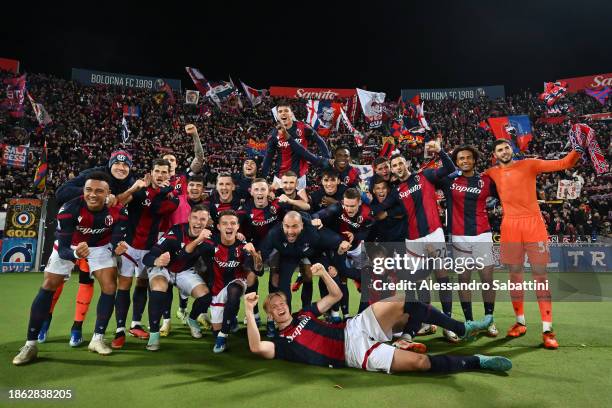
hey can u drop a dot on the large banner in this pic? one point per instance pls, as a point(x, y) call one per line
point(91, 77)
point(20, 235)
point(10, 65)
point(588, 82)
point(14, 156)
point(438, 94)
point(312, 93)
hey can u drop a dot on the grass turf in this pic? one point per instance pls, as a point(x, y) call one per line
point(186, 371)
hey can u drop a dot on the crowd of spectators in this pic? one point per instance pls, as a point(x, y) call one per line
point(87, 121)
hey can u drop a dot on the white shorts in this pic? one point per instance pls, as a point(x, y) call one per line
point(99, 258)
point(364, 343)
point(131, 263)
point(301, 182)
point(421, 248)
point(468, 247)
point(218, 302)
point(185, 280)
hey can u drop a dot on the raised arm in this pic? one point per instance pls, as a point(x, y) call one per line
point(270, 152)
point(264, 349)
point(548, 166)
point(198, 161)
point(334, 293)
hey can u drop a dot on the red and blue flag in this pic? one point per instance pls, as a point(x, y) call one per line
point(514, 128)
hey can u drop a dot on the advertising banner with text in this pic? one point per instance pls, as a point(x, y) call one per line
point(472, 92)
point(588, 82)
point(312, 93)
point(91, 77)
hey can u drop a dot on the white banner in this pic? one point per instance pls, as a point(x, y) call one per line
point(371, 104)
point(192, 97)
point(568, 190)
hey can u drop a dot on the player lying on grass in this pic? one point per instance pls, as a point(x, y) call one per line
point(361, 341)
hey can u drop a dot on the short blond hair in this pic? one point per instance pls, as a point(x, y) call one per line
point(271, 296)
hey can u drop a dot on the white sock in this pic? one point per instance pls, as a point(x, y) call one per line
point(546, 326)
point(166, 321)
point(120, 329)
point(221, 334)
point(521, 319)
point(30, 342)
point(134, 324)
point(97, 336)
point(335, 313)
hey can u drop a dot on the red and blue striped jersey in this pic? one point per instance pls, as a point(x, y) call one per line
point(174, 242)
point(255, 223)
point(147, 209)
point(310, 340)
point(76, 223)
point(349, 177)
point(335, 218)
point(225, 263)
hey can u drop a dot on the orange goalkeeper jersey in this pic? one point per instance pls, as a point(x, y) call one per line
point(516, 184)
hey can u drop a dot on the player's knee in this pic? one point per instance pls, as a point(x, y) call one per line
point(421, 362)
point(125, 283)
point(52, 283)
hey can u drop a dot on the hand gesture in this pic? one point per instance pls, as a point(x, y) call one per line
point(344, 247)
point(163, 259)
point(250, 300)
point(240, 236)
point(191, 129)
point(317, 223)
point(433, 146)
point(317, 269)
point(349, 235)
point(204, 234)
point(249, 248)
point(122, 247)
point(283, 199)
point(333, 272)
point(82, 250)
point(111, 200)
point(141, 183)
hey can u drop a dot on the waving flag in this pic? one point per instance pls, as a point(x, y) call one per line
point(323, 116)
point(40, 178)
point(583, 136)
point(255, 148)
point(15, 95)
point(412, 114)
point(600, 94)
point(349, 126)
point(515, 128)
point(198, 79)
point(15, 156)
point(131, 110)
point(164, 87)
point(42, 116)
point(372, 106)
point(553, 91)
point(255, 96)
point(125, 132)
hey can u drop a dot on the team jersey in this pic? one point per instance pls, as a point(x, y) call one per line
point(279, 191)
point(516, 184)
point(349, 177)
point(174, 242)
point(243, 184)
point(215, 206)
point(336, 218)
point(74, 187)
point(418, 197)
point(293, 154)
point(148, 208)
point(311, 243)
point(76, 223)
point(179, 183)
point(255, 223)
point(316, 197)
point(394, 227)
point(466, 199)
point(225, 263)
point(310, 340)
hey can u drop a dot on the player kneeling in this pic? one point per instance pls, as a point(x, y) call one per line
point(360, 343)
point(173, 259)
point(86, 229)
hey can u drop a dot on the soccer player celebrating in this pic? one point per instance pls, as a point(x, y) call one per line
point(289, 193)
point(87, 228)
point(523, 229)
point(118, 168)
point(416, 194)
point(289, 141)
point(152, 199)
point(331, 192)
point(197, 166)
point(225, 197)
point(349, 175)
point(353, 220)
point(233, 265)
point(468, 222)
point(244, 180)
point(172, 260)
point(360, 343)
point(294, 242)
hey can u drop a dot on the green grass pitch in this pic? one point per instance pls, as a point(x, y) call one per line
point(186, 373)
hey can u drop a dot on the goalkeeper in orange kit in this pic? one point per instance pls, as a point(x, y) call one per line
point(523, 229)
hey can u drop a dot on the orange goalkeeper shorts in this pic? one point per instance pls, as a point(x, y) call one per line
point(520, 235)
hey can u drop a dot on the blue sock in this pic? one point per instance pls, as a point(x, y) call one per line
point(200, 305)
point(446, 297)
point(139, 300)
point(39, 312)
point(254, 288)
point(169, 299)
point(122, 305)
point(423, 313)
point(489, 307)
point(104, 312)
point(306, 295)
point(156, 306)
point(467, 310)
point(452, 364)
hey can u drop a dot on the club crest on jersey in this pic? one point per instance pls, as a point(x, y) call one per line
point(417, 178)
point(480, 183)
point(109, 220)
point(79, 218)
